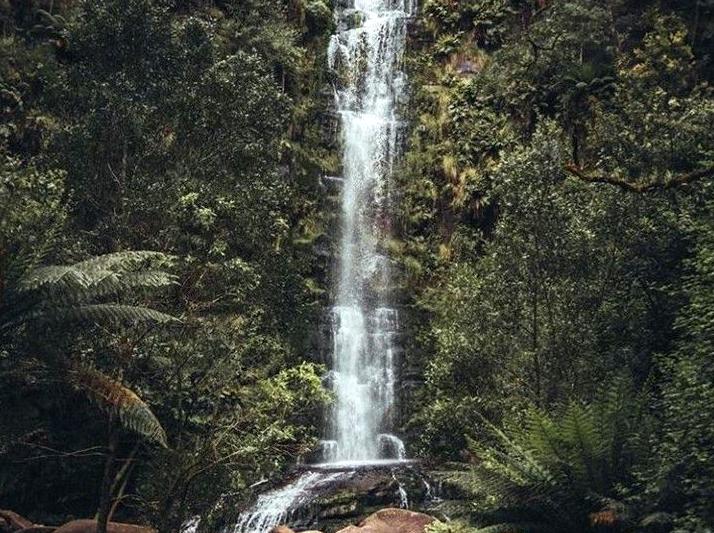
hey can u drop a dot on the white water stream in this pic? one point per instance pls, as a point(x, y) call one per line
point(367, 61)
point(365, 56)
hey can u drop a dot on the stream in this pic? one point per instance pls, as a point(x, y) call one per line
point(365, 56)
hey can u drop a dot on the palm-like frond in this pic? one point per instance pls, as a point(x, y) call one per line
point(147, 279)
point(115, 314)
point(115, 398)
point(58, 277)
point(561, 468)
point(106, 271)
point(123, 261)
point(75, 292)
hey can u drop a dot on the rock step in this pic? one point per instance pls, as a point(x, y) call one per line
point(389, 520)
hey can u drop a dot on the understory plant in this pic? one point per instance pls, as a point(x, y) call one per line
point(561, 471)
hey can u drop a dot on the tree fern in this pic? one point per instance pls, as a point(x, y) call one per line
point(117, 314)
point(123, 261)
point(562, 468)
point(74, 292)
point(115, 398)
point(91, 272)
point(86, 293)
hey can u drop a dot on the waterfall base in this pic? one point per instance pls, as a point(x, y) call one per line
point(332, 495)
point(350, 466)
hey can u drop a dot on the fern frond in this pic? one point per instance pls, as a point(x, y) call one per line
point(59, 277)
point(579, 429)
point(122, 261)
point(90, 272)
point(119, 283)
point(113, 397)
point(116, 314)
point(68, 285)
point(111, 314)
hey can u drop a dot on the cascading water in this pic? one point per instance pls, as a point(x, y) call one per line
point(273, 508)
point(367, 62)
point(365, 55)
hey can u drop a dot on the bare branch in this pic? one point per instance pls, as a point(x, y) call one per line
point(641, 187)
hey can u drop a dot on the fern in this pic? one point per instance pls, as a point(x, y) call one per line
point(148, 279)
point(115, 398)
point(562, 468)
point(64, 277)
point(71, 292)
point(78, 293)
point(90, 272)
point(123, 261)
point(116, 314)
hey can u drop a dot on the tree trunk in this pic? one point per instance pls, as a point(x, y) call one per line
point(105, 493)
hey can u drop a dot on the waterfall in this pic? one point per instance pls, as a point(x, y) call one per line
point(366, 60)
point(274, 507)
point(365, 56)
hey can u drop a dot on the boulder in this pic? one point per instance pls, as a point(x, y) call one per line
point(38, 529)
point(286, 529)
point(12, 521)
point(392, 521)
point(90, 526)
point(281, 529)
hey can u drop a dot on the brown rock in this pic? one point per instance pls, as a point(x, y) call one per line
point(90, 526)
point(281, 529)
point(37, 529)
point(14, 521)
point(392, 521)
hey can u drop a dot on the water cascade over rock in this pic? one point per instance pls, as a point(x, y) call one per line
point(367, 63)
point(365, 56)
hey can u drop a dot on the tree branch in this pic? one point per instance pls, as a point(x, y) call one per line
point(627, 185)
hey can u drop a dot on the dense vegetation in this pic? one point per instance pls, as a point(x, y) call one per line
point(151, 382)
point(555, 238)
point(164, 255)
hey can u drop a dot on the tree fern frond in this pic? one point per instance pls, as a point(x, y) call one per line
point(117, 314)
point(59, 277)
point(68, 285)
point(526, 463)
point(92, 271)
point(118, 283)
point(122, 261)
point(115, 398)
point(112, 314)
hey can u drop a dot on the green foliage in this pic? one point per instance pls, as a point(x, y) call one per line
point(70, 293)
point(199, 130)
point(680, 478)
point(189, 128)
point(449, 527)
point(234, 430)
point(533, 317)
point(61, 295)
point(32, 214)
point(562, 469)
point(531, 286)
